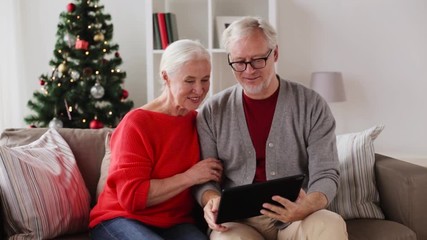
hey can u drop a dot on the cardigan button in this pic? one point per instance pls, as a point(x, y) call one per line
point(270, 145)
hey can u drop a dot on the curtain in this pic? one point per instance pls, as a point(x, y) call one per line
point(11, 78)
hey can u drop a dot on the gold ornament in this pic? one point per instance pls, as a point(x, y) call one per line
point(62, 67)
point(99, 37)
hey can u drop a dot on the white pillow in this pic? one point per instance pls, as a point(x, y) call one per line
point(357, 195)
point(42, 191)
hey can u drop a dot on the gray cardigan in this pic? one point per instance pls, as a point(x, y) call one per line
point(301, 140)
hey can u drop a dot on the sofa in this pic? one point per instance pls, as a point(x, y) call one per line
point(402, 186)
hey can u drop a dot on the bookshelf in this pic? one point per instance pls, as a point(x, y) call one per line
point(196, 19)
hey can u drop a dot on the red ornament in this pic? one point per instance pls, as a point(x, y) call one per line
point(87, 71)
point(95, 124)
point(71, 7)
point(125, 94)
point(117, 54)
point(33, 126)
point(42, 82)
point(82, 44)
point(104, 61)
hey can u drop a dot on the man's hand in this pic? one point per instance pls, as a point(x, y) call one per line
point(288, 211)
point(211, 212)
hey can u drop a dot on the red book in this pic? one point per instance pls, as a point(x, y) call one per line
point(163, 30)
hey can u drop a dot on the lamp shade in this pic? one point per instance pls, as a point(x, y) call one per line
point(329, 85)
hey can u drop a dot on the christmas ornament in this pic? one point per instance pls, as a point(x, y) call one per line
point(71, 7)
point(44, 90)
point(99, 37)
point(98, 25)
point(62, 67)
point(87, 71)
point(68, 38)
point(117, 54)
point(103, 104)
point(97, 91)
point(75, 74)
point(82, 44)
point(33, 126)
point(67, 108)
point(42, 82)
point(65, 54)
point(125, 94)
point(55, 123)
point(96, 124)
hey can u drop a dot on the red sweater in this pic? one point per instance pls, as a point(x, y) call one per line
point(148, 145)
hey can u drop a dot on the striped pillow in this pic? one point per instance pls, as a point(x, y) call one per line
point(42, 191)
point(357, 195)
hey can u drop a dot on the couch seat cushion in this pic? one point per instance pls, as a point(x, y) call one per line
point(374, 229)
point(80, 236)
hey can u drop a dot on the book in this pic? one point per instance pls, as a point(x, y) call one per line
point(163, 30)
point(174, 27)
point(171, 27)
point(156, 33)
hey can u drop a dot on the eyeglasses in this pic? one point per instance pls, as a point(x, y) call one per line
point(256, 63)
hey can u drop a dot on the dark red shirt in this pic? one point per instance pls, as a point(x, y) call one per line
point(259, 116)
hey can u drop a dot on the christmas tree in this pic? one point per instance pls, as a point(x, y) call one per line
point(84, 88)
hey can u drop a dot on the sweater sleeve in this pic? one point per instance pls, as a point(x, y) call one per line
point(304, 127)
point(322, 151)
point(131, 164)
point(208, 147)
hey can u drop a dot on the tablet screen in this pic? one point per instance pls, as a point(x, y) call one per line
point(246, 201)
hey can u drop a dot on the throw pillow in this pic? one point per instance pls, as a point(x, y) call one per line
point(357, 195)
point(42, 191)
point(104, 166)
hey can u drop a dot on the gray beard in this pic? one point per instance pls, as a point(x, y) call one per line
point(257, 89)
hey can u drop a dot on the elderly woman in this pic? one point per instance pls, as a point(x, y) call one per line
point(155, 157)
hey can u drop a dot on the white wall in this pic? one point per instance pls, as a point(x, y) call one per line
point(380, 46)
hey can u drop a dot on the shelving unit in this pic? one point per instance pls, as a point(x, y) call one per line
point(196, 19)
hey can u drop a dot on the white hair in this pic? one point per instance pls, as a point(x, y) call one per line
point(180, 52)
point(245, 26)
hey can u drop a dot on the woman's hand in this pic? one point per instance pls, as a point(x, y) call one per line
point(209, 169)
point(166, 188)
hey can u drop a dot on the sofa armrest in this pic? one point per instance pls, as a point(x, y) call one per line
point(403, 192)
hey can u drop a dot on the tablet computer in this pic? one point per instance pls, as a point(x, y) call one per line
point(246, 201)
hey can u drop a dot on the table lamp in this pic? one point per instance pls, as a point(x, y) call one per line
point(329, 85)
